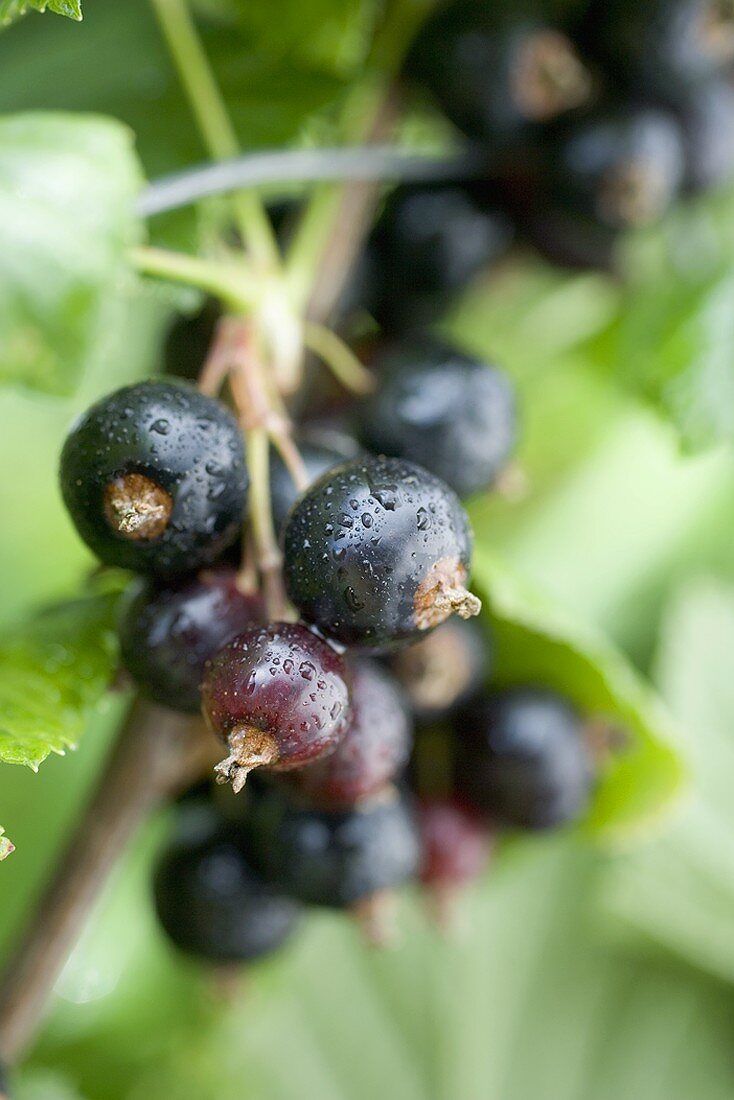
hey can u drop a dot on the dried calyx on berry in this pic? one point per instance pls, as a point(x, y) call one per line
point(167, 633)
point(621, 167)
point(372, 753)
point(522, 758)
point(445, 410)
point(278, 696)
point(211, 901)
point(497, 69)
point(154, 478)
point(377, 552)
point(443, 669)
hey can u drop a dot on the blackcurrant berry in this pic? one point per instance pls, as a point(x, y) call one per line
point(448, 412)
point(317, 459)
point(454, 842)
point(154, 478)
point(372, 752)
point(378, 551)
point(620, 167)
point(212, 903)
point(497, 68)
point(522, 758)
point(429, 242)
point(278, 696)
point(443, 669)
point(571, 239)
point(706, 117)
point(167, 633)
point(660, 47)
point(338, 859)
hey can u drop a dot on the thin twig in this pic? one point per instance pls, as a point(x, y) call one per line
point(157, 753)
point(337, 355)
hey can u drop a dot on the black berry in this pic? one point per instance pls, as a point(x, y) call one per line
point(522, 758)
point(430, 241)
point(660, 47)
point(213, 904)
point(372, 752)
point(444, 410)
point(443, 669)
point(339, 859)
point(317, 458)
point(621, 167)
point(277, 696)
point(497, 68)
point(167, 633)
point(154, 478)
point(706, 117)
point(378, 551)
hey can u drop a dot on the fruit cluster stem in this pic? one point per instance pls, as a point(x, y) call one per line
point(158, 752)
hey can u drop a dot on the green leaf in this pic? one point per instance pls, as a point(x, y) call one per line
point(40, 1084)
point(528, 1002)
point(67, 185)
point(53, 674)
point(536, 643)
point(12, 9)
point(679, 891)
point(672, 341)
point(6, 845)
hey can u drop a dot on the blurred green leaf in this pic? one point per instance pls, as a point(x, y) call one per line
point(672, 340)
point(67, 186)
point(6, 845)
point(43, 1085)
point(12, 9)
point(53, 674)
point(679, 891)
point(537, 643)
point(528, 1002)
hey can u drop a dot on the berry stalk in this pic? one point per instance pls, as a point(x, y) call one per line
point(157, 753)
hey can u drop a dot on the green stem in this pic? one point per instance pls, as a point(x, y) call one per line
point(338, 357)
point(359, 114)
point(229, 282)
point(261, 517)
point(213, 121)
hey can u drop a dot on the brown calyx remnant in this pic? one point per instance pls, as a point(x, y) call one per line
point(433, 670)
point(716, 30)
point(376, 916)
point(137, 507)
point(633, 195)
point(442, 593)
point(549, 77)
point(249, 748)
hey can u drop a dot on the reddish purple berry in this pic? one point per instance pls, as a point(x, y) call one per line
point(278, 696)
point(372, 752)
point(455, 843)
point(167, 633)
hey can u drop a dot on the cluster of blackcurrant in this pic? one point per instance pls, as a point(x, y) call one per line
point(376, 556)
point(594, 121)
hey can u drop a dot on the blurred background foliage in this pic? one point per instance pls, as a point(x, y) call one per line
point(581, 972)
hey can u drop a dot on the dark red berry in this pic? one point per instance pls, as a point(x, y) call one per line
point(278, 696)
point(445, 410)
point(168, 633)
point(521, 758)
point(212, 903)
point(372, 752)
point(443, 669)
point(154, 478)
point(377, 552)
point(455, 843)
